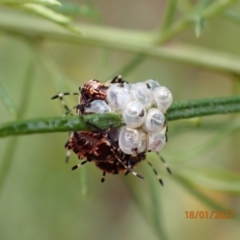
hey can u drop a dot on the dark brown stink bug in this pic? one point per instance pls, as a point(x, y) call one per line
point(94, 90)
point(91, 90)
point(100, 146)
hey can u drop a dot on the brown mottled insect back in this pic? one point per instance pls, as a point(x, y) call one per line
point(97, 147)
point(90, 146)
point(91, 90)
point(93, 146)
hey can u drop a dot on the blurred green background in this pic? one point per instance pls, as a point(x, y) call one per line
point(41, 198)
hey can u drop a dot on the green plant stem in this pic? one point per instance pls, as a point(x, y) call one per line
point(125, 40)
point(8, 102)
point(60, 124)
point(180, 110)
point(233, 16)
point(204, 107)
point(157, 213)
point(169, 15)
point(207, 13)
point(8, 156)
point(128, 67)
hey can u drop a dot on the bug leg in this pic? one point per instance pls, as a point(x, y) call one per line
point(104, 132)
point(60, 96)
point(166, 126)
point(128, 168)
point(155, 172)
point(79, 165)
point(68, 153)
point(103, 176)
point(164, 162)
point(64, 94)
point(129, 165)
point(70, 110)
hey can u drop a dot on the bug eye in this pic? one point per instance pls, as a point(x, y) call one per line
point(152, 84)
point(163, 98)
point(134, 114)
point(156, 141)
point(154, 121)
point(140, 92)
point(118, 96)
point(98, 106)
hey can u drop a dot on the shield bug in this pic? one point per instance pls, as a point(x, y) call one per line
point(100, 148)
point(118, 150)
point(91, 90)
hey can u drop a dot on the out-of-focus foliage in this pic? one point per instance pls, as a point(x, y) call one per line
point(48, 46)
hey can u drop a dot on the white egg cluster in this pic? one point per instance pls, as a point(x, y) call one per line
point(142, 106)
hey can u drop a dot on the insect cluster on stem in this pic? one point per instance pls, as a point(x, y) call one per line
point(119, 150)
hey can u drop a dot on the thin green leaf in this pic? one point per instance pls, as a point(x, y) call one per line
point(199, 25)
point(203, 4)
point(9, 153)
point(216, 179)
point(138, 199)
point(60, 81)
point(169, 14)
point(187, 184)
point(72, 9)
point(217, 7)
point(233, 16)
point(8, 102)
point(153, 216)
point(44, 2)
point(157, 216)
point(46, 13)
point(84, 183)
point(52, 71)
point(128, 67)
point(224, 131)
point(6, 164)
point(185, 7)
